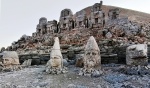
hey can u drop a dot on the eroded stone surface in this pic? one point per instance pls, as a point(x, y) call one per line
point(136, 55)
point(10, 61)
point(55, 64)
point(92, 59)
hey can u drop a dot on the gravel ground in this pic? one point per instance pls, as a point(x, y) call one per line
point(35, 77)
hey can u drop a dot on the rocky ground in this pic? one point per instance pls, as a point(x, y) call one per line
point(35, 77)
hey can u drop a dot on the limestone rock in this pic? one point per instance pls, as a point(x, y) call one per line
point(10, 60)
point(92, 59)
point(27, 63)
point(108, 35)
point(79, 60)
point(55, 64)
point(136, 55)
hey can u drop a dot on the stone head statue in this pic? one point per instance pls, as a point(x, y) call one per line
point(55, 64)
point(42, 20)
point(56, 54)
point(10, 58)
point(92, 57)
point(136, 55)
point(66, 12)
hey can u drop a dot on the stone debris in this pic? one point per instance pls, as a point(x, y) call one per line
point(27, 63)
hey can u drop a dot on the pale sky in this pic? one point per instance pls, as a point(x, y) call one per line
point(18, 17)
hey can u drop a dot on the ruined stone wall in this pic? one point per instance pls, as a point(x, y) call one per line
point(81, 20)
point(93, 22)
point(97, 16)
point(65, 20)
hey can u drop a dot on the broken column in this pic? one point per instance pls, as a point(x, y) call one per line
point(10, 61)
point(55, 64)
point(92, 59)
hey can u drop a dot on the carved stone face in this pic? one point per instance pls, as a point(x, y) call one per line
point(136, 55)
point(7, 61)
point(56, 62)
point(10, 58)
point(92, 58)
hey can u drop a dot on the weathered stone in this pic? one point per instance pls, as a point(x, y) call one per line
point(65, 20)
point(92, 59)
point(27, 63)
point(79, 60)
point(113, 78)
point(10, 60)
point(113, 13)
point(108, 35)
point(52, 26)
point(136, 55)
point(81, 19)
point(55, 64)
point(65, 63)
point(71, 55)
point(97, 16)
point(41, 27)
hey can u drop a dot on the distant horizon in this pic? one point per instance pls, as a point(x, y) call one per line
point(19, 17)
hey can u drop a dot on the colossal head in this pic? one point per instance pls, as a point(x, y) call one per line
point(66, 12)
point(136, 55)
point(56, 56)
point(10, 58)
point(55, 64)
point(42, 20)
point(92, 57)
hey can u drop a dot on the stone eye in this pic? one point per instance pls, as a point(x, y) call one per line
point(6, 60)
point(93, 53)
point(88, 53)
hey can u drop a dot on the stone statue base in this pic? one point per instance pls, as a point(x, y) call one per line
point(56, 70)
point(90, 72)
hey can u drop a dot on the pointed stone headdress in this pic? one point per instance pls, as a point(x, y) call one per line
point(92, 44)
point(56, 49)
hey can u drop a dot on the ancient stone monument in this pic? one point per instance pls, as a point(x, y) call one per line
point(10, 61)
point(113, 13)
point(137, 55)
point(97, 17)
point(81, 19)
point(51, 26)
point(65, 20)
point(55, 64)
point(41, 27)
point(92, 58)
